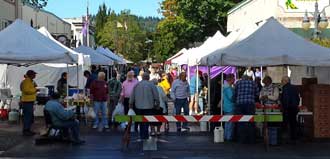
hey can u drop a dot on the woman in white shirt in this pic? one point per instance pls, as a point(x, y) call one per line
point(139, 77)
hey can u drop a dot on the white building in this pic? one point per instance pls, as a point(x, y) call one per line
point(7, 13)
point(77, 25)
point(13, 9)
point(253, 11)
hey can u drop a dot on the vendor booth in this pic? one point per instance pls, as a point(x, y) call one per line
point(271, 44)
point(25, 46)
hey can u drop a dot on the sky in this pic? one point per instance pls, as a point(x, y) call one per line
point(77, 8)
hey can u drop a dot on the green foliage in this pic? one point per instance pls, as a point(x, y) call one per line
point(125, 33)
point(322, 42)
point(189, 21)
point(100, 19)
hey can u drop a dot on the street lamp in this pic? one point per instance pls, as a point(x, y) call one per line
point(320, 21)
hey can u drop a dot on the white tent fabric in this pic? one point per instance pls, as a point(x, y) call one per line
point(270, 45)
point(182, 59)
point(46, 33)
point(210, 45)
point(182, 51)
point(235, 36)
point(48, 74)
point(96, 58)
point(120, 59)
point(22, 44)
point(110, 54)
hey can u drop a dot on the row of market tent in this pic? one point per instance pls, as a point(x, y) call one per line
point(264, 44)
point(22, 45)
point(267, 44)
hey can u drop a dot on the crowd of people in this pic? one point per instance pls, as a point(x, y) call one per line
point(148, 90)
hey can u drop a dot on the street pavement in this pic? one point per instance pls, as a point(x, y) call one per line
point(195, 145)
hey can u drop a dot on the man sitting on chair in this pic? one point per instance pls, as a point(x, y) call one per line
point(62, 118)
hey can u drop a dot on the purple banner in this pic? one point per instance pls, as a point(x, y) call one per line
point(215, 70)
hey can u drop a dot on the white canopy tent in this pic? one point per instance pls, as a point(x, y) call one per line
point(22, 44)
point(118, 58)
point(110, 54)
point(81, 57)
point(210, 45)
point(169, 60)
point(96, 58)
point(270, 45)
point(48, 74)
point(183, 58)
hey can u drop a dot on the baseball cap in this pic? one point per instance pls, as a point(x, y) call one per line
point(31, 72)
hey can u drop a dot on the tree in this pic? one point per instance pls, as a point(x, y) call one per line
point(189, 21)
point(100, 20)
point(123, 34)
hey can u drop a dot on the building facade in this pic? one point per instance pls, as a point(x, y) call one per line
point(14, 9)
point(7, 12)
point(78, 37)
point(289, 14)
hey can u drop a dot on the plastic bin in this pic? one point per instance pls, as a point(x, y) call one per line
point(74, 91)
point(273, 136)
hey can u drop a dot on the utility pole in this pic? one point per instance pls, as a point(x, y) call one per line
point(87, 21)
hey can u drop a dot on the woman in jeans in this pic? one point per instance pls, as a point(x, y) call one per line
point(228, 105)
point(99, 97)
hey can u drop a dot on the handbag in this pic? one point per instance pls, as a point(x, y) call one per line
point(91, 114)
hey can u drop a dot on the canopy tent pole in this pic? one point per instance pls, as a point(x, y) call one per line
point(209, 88)
point(77, 75)
point(188, 73)
point(108, 72)
point(6, 77)
point(221, 104)
point(197, 86)
point(67, 79)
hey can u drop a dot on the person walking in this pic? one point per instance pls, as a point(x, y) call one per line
point(246, 92)
point(139, 77)
point(290, 102)
point(114, 86)
point(180, 93)
point(194, 94)
point(228, 105)
point(29, 96)
point(99, 97)
point(127, 88)
point(161, 111)
point(89, 80)
point(145, 98)
point(153, 74)
point(165, 84)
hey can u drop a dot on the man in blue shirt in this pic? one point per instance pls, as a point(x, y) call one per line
point(180, 94)
point(62, 118)
point(246, 91)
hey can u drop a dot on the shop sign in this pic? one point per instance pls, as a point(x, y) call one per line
point(300, 6)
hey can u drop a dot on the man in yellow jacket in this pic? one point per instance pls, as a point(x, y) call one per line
point(29, 96)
